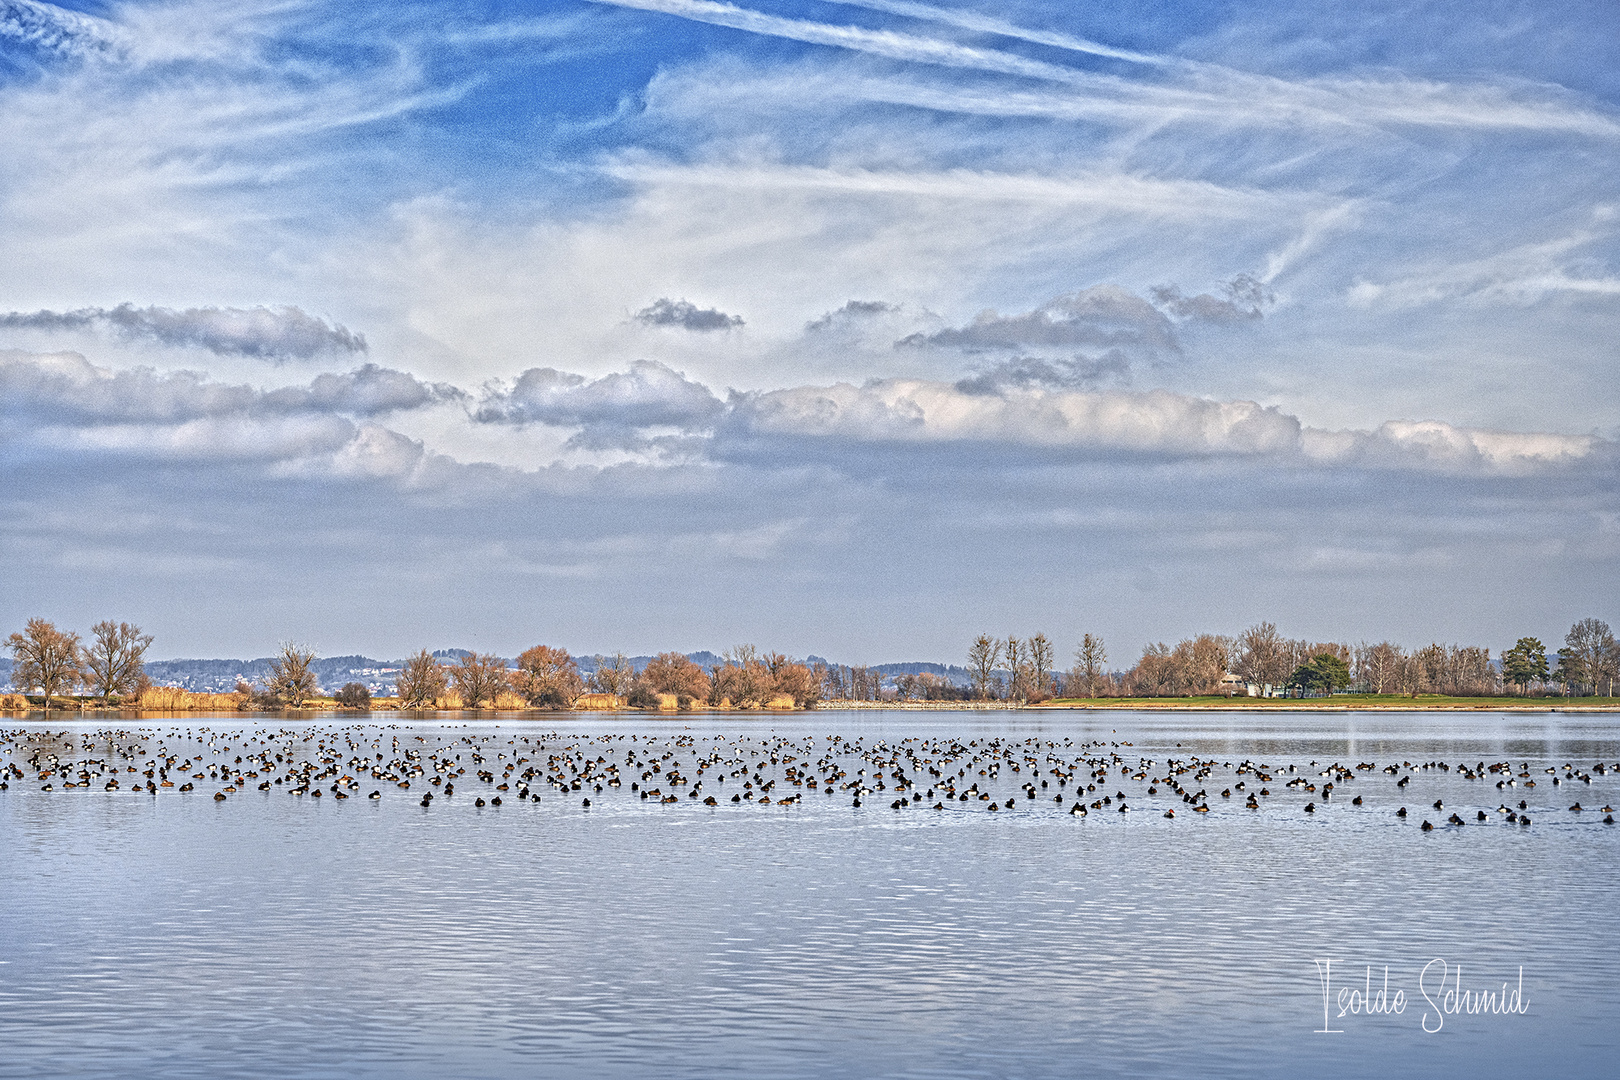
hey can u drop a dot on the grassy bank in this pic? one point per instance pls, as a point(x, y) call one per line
point(1340, 702)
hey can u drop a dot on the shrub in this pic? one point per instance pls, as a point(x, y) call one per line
point(353, 696)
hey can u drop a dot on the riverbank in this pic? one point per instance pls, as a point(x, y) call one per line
point(1357, 703)
point(1346, 703)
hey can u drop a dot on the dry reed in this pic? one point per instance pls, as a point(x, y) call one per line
point(175, 699)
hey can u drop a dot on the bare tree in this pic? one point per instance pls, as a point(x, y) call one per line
point(45, 657)
point(114, 660)
point(1378, 667)
point(1012, 651)
point(674, 673)
point(291, 681)
point(741, 678)
point(1204, 659)
point(1040, 665)
point(1585, 659)
point(1263, 657)
point(478, 677)
point(614, 677)
point(794, 680)
point(547, 677)
point(1089, 661)
point(983, 656)
point(421, 681)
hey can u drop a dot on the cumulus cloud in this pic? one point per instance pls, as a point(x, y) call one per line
point(1043, 423)
point(919, 411)
point(369, 390)
point(1439, 446)
point(853, 311)
point(1028, 408)
point(613, 410)
point(278, 334)
point(65, 388)
point(686, 315)
point(1105, 316)
point(1029, 372)
point(1026, 404)
point(1243, 299)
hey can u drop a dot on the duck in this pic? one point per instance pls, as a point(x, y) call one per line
point(219, 796)
point(1427, 827)
point(1310, 808)
point(1401, 812)
point(375, 795)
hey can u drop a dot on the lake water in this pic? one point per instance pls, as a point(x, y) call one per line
point(278, 934)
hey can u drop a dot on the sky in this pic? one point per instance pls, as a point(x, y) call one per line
point(853, 328)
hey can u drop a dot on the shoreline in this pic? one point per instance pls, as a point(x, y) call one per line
point(1247, 706)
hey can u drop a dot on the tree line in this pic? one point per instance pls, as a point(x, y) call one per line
point(110, 668)
point(1010, 669)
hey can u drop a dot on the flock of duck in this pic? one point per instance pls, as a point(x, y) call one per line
point(997, 775)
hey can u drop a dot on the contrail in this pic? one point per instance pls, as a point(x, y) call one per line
point(969, 20)
point(886, 43)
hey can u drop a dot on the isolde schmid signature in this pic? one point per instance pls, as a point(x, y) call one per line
point(1440, 985)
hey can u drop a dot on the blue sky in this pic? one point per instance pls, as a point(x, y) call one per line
point(852, 328)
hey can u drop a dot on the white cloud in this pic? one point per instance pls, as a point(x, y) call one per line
point(65, 388)
point(58, 30)
point(1205, 93)
point(1520, 275)
point(273, 334)
point(895, 410)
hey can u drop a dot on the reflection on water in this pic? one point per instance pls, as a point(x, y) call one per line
point(167, 934)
